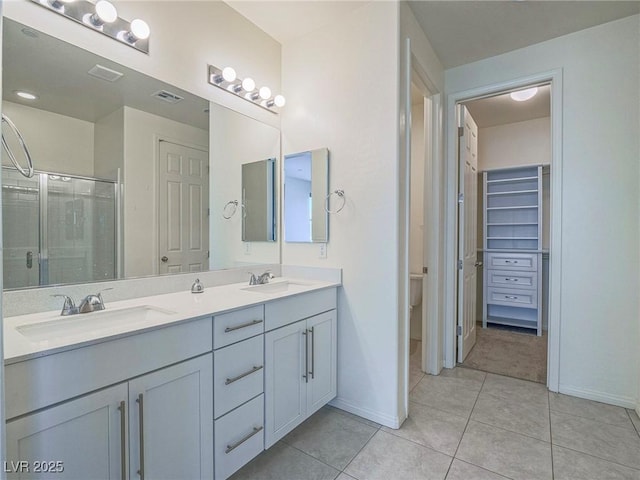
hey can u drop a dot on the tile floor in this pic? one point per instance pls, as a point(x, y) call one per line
point(463, 425)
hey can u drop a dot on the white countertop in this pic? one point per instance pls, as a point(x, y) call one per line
point(180, 306)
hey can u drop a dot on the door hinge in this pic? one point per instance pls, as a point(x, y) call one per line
point(208, 212)
point(459, 264)
point(461, 198)
point(459, 330)
point(460, 131)
point(208, 254)
point(425, 270)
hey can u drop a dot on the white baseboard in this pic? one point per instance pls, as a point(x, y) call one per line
point(382, 418)
point(626, 402)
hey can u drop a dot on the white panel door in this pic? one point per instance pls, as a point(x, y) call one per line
point(468, 233)
point(286, 380)
point(171, 422)
point(321, 349)
point(87, 436)
point(183, 211)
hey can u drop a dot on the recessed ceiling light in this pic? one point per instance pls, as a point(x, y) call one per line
point(523, 95)
point(26, 95)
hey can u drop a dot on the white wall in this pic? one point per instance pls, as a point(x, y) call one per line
point(600, 193)
point(354, 114)
point(109, 145)
point(416, 222)
point(141, 133)
point(185, 37)
point(57, 143)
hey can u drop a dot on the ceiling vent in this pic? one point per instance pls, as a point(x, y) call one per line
point(105, 73)
point(167, 96)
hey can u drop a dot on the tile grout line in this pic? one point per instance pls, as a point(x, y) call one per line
point(344, 470)
point(632, 422)
point(482, 468)
point(317, 459)
point(596, 457)
point(619, 425)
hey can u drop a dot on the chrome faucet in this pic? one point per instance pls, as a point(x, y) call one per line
point(90, 303)
point(69, 308)
point(260, 279)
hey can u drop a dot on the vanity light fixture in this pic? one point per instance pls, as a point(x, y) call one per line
point(524, 95)
point(102, 17)
point(228, 80)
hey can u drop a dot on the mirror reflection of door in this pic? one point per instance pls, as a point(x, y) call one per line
point(183, 212)
point(259, 201)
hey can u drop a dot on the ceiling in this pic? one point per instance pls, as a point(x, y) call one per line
point(501, 109)
point(459, 31)
point(57, 73)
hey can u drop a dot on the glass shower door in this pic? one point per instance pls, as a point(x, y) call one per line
point(21, 229)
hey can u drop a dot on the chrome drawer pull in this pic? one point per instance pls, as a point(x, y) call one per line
point(231, 448)
point(229, 381)
point(510, 261)
point(123, 433)
point(512, 297)
point(511, 279)
point(244, 325)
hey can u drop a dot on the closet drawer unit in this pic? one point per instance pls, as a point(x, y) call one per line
point(512, 261)
point(238, 374)
point(232, 327)
point(512, 298)
point(512, 279)
point(239, 436)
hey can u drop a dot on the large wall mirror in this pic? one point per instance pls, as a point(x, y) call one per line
point(306, 185)
point(123, 183)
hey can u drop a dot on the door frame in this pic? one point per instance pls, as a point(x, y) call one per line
point(157, 139)
point(554, 77)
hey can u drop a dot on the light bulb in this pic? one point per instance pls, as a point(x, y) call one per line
point(279, 101)
point(106, 11)
point(523, 95)
point(265, 93)
point(139, 29)
point(248, 84)
point(229, 74)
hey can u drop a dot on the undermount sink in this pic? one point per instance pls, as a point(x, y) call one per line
point(95, 322)
point(275, 287)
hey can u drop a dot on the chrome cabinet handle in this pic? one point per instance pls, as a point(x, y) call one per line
point(512, 297)
point(306, 357)
point(510, 261)
point(243, 325)
point(313, 351)
point(232, 447)
point(123, 433)
point(511, 279)
point(229, 381)
point(140, 401)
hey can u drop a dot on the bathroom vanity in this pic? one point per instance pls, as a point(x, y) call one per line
point(189, 386)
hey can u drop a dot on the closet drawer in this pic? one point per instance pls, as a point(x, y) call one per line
point(513, 279)
point(232, 327)
point(512, 297)
point(239, 436)
point(238, 374)
point(512, 261)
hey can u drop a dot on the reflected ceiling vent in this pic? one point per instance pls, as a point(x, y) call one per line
point(167, 96)
point(105, 73)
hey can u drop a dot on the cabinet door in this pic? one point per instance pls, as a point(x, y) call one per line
point(171, 422)
point(321, 337)
point(87, 436)
point(285, 380)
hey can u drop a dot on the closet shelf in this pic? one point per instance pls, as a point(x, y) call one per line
point(511, 224)
point(512, 238)
point(512, 192)
point(521, 207)
point(513, 180)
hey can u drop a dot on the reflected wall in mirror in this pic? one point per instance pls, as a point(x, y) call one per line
point(259, 201)
point(306, 185)
point(237, 140)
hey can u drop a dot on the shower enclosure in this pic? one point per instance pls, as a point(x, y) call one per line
point(57, 228)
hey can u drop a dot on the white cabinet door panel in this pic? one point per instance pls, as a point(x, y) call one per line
point(321, 335)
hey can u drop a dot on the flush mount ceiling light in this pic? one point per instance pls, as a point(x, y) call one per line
point(524, 95)
point(228, 80)
point(102, 17)
point(26, 95)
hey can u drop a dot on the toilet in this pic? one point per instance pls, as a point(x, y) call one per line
point(415, 291)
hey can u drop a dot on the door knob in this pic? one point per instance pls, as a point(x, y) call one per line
point(165, 259)
point(477, 264)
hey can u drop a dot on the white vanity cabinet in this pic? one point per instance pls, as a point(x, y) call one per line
point(300, 361)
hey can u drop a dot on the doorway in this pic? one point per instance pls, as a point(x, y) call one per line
point(501, 239)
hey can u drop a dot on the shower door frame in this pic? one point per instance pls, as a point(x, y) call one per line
point(43, 222)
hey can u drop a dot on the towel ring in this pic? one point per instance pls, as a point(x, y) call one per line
point(234, 206)
point(28, 172)
point(339, 193)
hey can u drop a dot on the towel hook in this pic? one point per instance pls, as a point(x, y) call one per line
point(339, 193)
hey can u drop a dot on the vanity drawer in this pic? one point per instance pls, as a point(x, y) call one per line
point(512, 279)
point(232, 327)
point(288, 310)
point(239, 436)
point(238, 374)
point(512, 297)
point(512, 261)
